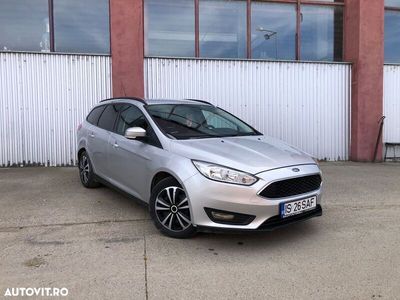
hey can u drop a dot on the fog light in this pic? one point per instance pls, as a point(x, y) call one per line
point(228, 217)
point(222, 216)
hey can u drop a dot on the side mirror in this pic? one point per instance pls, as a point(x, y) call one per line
point(135, 132)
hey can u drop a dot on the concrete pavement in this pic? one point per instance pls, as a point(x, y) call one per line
point(101, 245)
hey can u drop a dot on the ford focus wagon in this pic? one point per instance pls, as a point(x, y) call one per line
point(198, 167)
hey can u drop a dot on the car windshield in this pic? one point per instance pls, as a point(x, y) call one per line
point(189, 121)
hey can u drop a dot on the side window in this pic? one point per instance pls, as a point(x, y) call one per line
point(94, 115)
point(107, 119)
point(132, 116)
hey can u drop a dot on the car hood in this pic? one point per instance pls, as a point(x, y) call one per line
point(252, 154)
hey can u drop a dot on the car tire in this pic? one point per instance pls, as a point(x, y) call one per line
point(86, 173)
point(170, 209)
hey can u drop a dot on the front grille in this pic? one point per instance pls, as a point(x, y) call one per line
point(292, 187)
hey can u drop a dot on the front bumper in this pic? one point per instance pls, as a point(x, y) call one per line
point(270, 224)
point(203, 192)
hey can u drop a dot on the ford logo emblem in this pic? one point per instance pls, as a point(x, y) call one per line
point(296, 170)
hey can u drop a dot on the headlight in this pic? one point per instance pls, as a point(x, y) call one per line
point(224, 174)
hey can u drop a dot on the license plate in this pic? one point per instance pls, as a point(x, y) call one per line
point(297, 207)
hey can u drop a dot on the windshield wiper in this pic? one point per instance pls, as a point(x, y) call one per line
point(242, 134)
point(204, 136)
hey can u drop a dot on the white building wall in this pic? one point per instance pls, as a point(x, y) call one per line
point(391, 103)
point(43, 98)
point(304, 104)
point(391, 106)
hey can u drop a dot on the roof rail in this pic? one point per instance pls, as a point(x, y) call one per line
point(201, 101)
point(128, 98)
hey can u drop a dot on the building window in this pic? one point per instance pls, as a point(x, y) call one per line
point(81, 26)
point(222, 28)
point(321, 33)
point(263, 29)
point(392, 3)
point(71, 26)
point(392, 31)
point(273, 31)
point(24, 25)
point(169, 28)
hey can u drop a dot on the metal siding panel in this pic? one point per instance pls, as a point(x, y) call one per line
point(43, 97)
point(304, 104)
point(391, 105)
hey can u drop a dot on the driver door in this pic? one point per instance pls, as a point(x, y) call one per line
point(129, 159)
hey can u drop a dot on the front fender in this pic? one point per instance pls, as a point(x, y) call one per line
point(179, 167)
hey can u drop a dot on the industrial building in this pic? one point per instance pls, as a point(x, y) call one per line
point(318, 74)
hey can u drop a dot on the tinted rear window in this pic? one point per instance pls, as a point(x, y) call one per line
point(108, 117)
point(94, 115)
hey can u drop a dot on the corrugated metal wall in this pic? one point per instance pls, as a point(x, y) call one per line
point(43, 98)
point(391, 105)
point(304, 104)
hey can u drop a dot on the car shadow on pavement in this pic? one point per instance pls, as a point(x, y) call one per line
point(288, 235)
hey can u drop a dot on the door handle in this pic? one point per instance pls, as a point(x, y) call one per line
point(91, 135)
point(115, 145)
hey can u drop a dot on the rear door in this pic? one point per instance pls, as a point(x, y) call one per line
point(98, 139)
point(88, 131)
point(89, 134)
point(129, 159)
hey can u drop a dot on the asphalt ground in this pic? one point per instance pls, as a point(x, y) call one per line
point(101, 245)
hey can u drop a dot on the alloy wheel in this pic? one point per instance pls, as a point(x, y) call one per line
point(172, 209)
point(84, 168)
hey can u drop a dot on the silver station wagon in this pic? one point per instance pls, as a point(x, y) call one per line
point(198, 167)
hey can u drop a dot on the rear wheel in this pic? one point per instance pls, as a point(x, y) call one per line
point(170, 210)
point(86, 173)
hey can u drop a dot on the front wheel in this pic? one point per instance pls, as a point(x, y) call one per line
point(170, 210)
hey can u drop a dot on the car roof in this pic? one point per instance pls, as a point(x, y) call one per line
point(175, 101)
point(156, 101)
